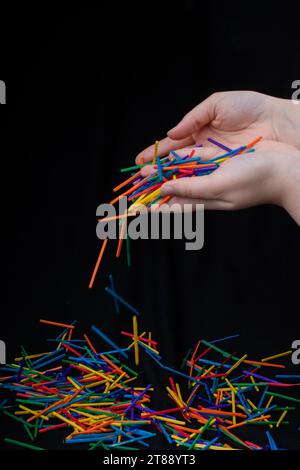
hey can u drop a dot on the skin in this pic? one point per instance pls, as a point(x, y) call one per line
point(270, 175)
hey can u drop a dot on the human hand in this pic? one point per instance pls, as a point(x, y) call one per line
point(234, 118)
point(270, 175)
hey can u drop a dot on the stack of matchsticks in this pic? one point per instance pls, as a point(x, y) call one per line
point(93, 389)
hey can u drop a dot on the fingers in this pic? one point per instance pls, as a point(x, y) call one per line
point(148, 170)
point(164, 148)
point(209, 204)
point(199, 117)
point(182, 204)
point(201, 187)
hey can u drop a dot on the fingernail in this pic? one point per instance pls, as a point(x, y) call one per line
point(166, 190)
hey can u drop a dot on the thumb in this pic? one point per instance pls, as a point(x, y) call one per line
point(199, 117)
point(201, 187)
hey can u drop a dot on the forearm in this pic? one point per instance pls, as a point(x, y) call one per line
point(291, 199)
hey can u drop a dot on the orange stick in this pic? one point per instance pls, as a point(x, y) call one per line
point(129, 191)
point(218, 412)
point(126, 182)
point(268, 364)
point(98, 263)
point(116, 217)
point(163, 201)
point(63, 325)
point(192, 359)
point(260, 418)
point(90, 343)
point(120, 243)
point(251, 144)
point(114, 367)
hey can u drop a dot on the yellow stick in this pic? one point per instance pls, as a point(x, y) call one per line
point(269, 402)
point(33, 356)
point(116, 381)
point(286, 353)
point(168, 420)
point(68, 421)
point(135, 337)
point(254, 383)
point(96, 372)
point(236, 364)
point(63, 337)
point(155, 152)
point(281, 418)
point(33, 412)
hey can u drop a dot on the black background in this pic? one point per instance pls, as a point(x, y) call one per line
point(87, 89)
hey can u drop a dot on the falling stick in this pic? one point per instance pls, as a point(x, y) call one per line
point(121, 238)
point(63, 325)
point(126, 181)
point(98, 262)
point(108, 340)
point(121, 300)
point(116, 217)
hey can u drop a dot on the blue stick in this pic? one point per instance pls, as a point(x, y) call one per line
point(108, 340)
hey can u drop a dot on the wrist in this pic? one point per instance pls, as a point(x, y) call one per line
point(286, 121)
point(290, 185)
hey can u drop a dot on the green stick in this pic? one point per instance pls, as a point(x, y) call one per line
point(22, 444)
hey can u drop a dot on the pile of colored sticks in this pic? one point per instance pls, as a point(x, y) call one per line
point(145, 190)
point(97, 397)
